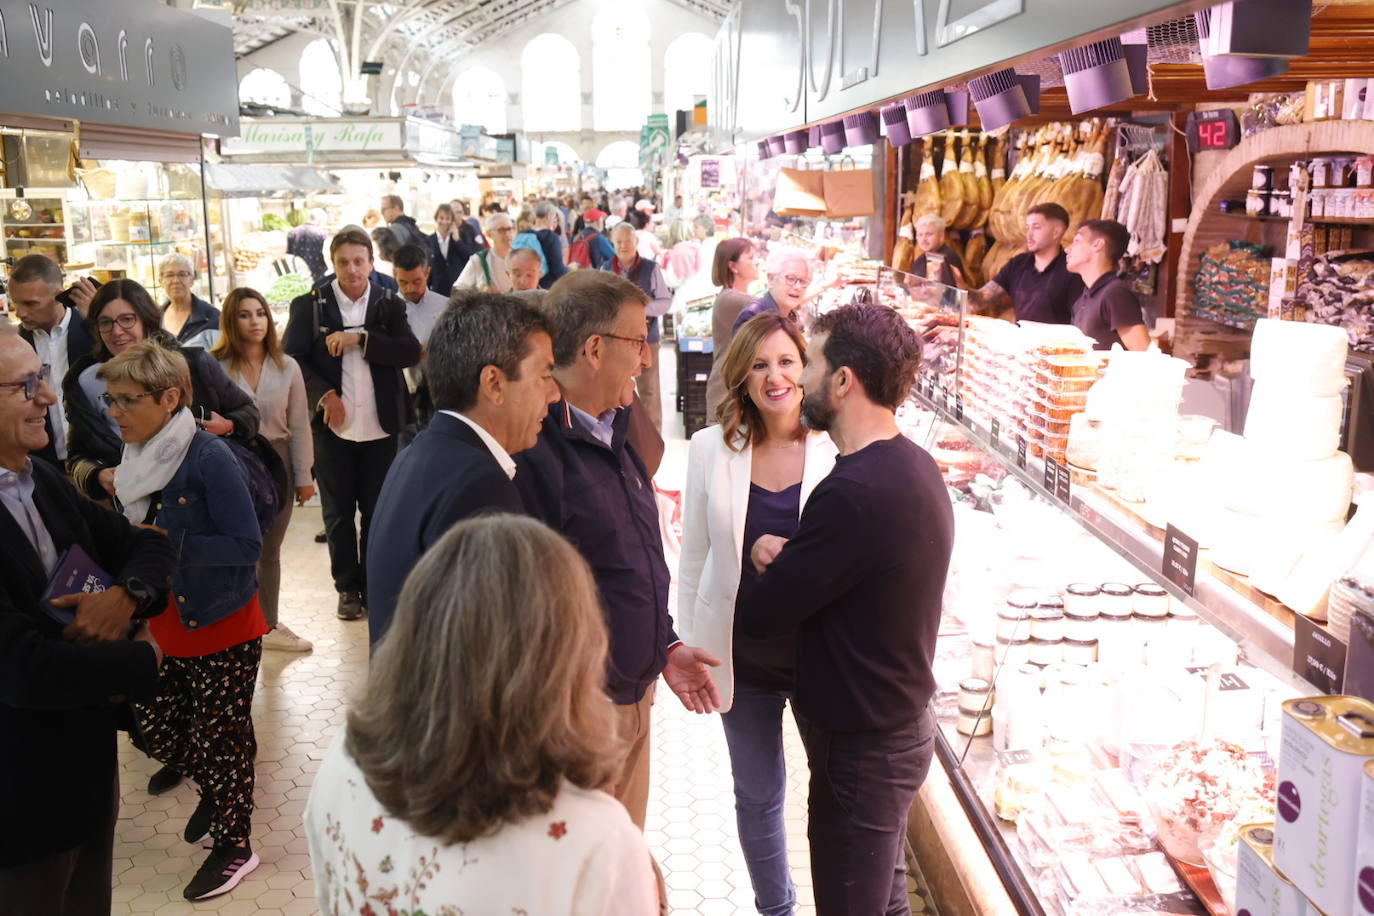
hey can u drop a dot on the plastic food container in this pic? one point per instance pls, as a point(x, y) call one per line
point(1045, 651)
point(1013, 652)
point(1076, 366)
point(973, 724)
point(1079, 651)
point(1151, 600)
point(1052, 387)
point(975, 693)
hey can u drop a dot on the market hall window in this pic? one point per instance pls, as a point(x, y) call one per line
point(264, 86)
point(621, 95)
point(479, 97)
point(686, 71)
point(321, 82)
point(551, 84)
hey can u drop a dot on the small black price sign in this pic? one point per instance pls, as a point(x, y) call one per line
point(1061, 484)
point(1015, 756)
point(1180, 559)
point(1051, 474)
point(995, 431)
point(1021, 452)
point(959, 408)
point(1318, 657)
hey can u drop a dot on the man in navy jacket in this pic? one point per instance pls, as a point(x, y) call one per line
point(490, 372)
point(586, 481)
point(352, 340)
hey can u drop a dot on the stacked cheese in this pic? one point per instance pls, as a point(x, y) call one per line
point(1290, 487)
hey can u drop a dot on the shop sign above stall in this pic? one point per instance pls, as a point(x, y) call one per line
point(782, 63)
point(132, 63)
point(317, 135)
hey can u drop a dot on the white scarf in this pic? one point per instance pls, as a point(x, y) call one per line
point(148, 467)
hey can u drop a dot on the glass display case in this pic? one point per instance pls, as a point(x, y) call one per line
point(35, 224)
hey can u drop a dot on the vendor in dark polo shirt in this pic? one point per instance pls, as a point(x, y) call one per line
point(1108, 311)
point(1036, 283)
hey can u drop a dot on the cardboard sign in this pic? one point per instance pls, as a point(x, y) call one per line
point(1318, 657)
point(1180, 559)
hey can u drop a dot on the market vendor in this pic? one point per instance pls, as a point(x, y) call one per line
point(930, 238)
point(1037, 283)
point(193, 321)
point(1107, 311)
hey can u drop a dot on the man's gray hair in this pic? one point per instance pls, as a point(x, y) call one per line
point(36, 267)
point(491, 220)
point(626, 225)
point(583, 303)
point(475, 331)
point(545, 208)
point(528, 251)
point(931, 219)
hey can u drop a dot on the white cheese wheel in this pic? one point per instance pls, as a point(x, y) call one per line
point(1323, 561)
point(1276, 487)
point(1303, 427)
point(1246, 544)
point(1301, 358)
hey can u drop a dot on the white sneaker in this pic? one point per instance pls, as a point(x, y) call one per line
point(283, 639)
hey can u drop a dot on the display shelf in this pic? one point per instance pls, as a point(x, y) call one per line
point(35, 225)
point(1263, 628)
point(1316, 221)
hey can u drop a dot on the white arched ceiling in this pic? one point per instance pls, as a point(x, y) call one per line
point(550, 77)
point(479, 97)
point(566, 154)
point(265, 87)
point(622, 93)
point(321, 82)
point(686, 71)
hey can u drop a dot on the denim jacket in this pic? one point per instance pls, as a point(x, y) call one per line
point(208, 513)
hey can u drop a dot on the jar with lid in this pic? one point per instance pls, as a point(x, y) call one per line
point(1321, 172)
point(1047, 623)
point(1081, 596)
point(1257, 203)
point(1150, 598)
point(1065, 706)
point(1262, 178)
point(976, 694)
point(972, 723)
point(1017, 715)
point(984, 659)
point(1150, 632)
point(1116, 638)
point(1080, 623)
point(1116, 595)
point(1079, 651)
point(1281, 204)
point(1012, 653)
point(1013, 615)
point(1045, 651)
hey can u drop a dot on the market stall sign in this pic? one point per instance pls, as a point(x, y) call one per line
point(1180, 559)
point(136, 63)
point(318, 135)
point(1318, 657)
point(782, 63)
point(710, 173)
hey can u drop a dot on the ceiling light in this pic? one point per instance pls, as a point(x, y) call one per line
point(1002, 97)
point(1096, 75)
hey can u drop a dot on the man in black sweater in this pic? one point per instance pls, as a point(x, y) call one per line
point(861, 582)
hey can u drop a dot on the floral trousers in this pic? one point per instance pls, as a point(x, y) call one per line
point(201, 724)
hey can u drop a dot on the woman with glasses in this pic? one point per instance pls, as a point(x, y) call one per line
point(179, 479)
point(122, 314)
point(789, 282)
point(251, 355)
point(187, 317)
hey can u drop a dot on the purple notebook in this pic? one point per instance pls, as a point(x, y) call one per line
point(75, 572)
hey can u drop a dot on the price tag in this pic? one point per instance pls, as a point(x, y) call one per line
point(1021, 452)
point(1180, 559)
point(1318, 657)
point(995, 431)
point(696, 345)
point(923, 383)
point(959, 408)
point(1061, 485)
point(1051, 474)
point(1227, 681)
point(1014, 757)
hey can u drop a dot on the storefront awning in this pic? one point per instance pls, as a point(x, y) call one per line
point(256, 180)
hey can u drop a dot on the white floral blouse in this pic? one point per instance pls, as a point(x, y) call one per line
point(584, 857)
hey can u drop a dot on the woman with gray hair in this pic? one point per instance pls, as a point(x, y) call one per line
point(548, 230)
point(930, 238)
point(187, 317)
point(481, 745)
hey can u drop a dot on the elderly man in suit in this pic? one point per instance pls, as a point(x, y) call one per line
point(490, 368)
point(57, 332)
point(61, 685)
point(352, 340)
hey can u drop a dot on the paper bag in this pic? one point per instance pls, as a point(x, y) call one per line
point(799, 192)
point(849, 193)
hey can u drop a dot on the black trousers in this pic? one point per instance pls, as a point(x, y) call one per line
point(350, 475)
point(862, 786)
point(74, 882)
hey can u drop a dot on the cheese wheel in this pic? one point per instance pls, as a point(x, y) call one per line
point(1276, 487)
point(1298, 426)
point(1246, 544)
point(1301, 358)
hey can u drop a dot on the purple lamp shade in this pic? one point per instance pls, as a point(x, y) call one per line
point(794, 142)
point(1000, 98)
point(1226, 71)
point(860, 129)
point(894, 120)
point(832, 137)
point(1096, 75)
point(926, 113)
point(813, 136)
point(956, 100)
point(777, 146)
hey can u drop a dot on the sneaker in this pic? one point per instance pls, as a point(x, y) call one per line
point(222, 871)
point(164, 779)
point(198, 824)
point(350, 605)
point(284, 639)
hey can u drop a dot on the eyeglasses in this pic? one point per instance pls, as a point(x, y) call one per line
point(794, 281)
point(127, 402)
point(639, 342)
point(125, 321)
point(177, 275)
point(30, 383)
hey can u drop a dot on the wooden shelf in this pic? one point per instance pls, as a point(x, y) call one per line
point(1319, 221)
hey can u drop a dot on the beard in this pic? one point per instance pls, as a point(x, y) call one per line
point(817, 413)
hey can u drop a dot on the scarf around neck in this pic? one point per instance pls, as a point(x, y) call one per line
point(149, 466)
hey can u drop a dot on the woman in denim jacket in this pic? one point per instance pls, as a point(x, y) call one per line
point(187, 483)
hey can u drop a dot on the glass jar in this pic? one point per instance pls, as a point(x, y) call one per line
point(984, 659)
point(1047, 623)
point(975, 693)
point(1118, 596)
point(1116, 642)
point(1045, 651)
point(1079, 651)
point(1080, 624)
point(1012, 617)
point(1012, 653)
point(1064, 708)
point(1017, 717)
point(1262, 178)
point(1150, 598)
point(1081, 597)
point(1150, 631)
point(972, 723)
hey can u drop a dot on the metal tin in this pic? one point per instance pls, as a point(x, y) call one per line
point(1260, 889)
point(1363, 902)
point(1324, 746)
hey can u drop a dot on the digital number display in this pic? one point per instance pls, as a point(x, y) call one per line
point(1215, 129)
point(1213, 134)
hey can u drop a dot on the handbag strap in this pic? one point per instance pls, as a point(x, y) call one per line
point(853, 166)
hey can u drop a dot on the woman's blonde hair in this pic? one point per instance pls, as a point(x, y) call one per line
point(524, 220)
point(151, 366)
point(681, 230)
point(230, 343)
point(739, 416)
point(488, 688)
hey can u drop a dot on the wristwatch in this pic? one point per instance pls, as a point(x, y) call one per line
point(140, 591)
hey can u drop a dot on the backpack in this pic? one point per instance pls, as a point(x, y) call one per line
point(268, 482)
point(580, 252)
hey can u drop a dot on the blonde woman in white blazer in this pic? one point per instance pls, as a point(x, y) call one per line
point(748, 476)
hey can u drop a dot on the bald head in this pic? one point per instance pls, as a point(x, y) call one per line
point(525, 269)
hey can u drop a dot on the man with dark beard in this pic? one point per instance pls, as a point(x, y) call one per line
point(861, 582)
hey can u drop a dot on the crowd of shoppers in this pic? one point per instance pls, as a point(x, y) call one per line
point(509, 560)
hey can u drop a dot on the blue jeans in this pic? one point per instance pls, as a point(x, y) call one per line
point(753, 733)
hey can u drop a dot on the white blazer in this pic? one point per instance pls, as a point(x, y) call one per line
point(714, 505)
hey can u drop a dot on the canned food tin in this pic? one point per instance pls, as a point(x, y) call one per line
point(1260, 889)
point(1363, 903)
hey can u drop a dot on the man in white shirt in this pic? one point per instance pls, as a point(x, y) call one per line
point(486, 270)
point(423, 308)
point(490, 368)
point(352, 341)
point(57, 333)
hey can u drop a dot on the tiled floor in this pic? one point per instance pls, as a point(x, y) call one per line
point(301, 700)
